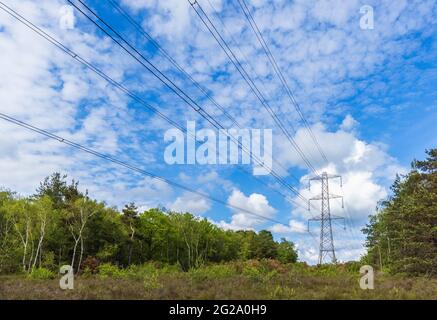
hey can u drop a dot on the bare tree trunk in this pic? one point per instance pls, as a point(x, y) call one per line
point(41, 238)
point(197, 252)
point(25, 241)
point(83, 222)
point(380, 256)
point(76, 241)
point(131, 244)
point(31, 257)
point(40, 258)
point(189, 255)
point(189, 249)
point(168, 249)
point(81, 254)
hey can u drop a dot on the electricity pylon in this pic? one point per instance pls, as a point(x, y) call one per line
point(326, 239)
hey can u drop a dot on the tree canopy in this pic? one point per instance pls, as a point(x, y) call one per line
point(60, 225)
point(402, 236)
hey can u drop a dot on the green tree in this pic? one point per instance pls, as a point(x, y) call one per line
point(79, 214)
point(58, 190)
point(9, 243)
point(286, 252)
point(61, 225)
point(402, 236)
point(130, 219)
point(265, 246)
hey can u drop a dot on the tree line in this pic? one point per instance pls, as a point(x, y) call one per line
point(402, 235)
point(60, 225)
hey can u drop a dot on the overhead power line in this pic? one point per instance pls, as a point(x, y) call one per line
point(112, 33)
point(140, 58)
point(144, 33)
point(279, 73)
point(281, 77)
point(252, 22)
point(74, 55)
point(240, 68)
point(244, 56)
point(128, 165)
point(86, 63)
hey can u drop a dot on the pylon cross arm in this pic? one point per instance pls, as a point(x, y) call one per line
point(318, 197)
point(333, 196)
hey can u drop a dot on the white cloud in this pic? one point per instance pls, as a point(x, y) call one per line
point(49, 89)
point(347, 248)
point(256, 203)
point(67, 18)
point(293, 227)
point(366, 169)
point(318, 45)
point(190, 202)
point(336, 12)
point(348, 123)
point(170, 18)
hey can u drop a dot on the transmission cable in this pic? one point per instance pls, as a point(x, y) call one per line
point(144, 33)
point(279, 73)
point(170, 84)
point(237, 64)
point(115, 83)
point(128, 166)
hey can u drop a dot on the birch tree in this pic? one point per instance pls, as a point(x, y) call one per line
point(42, 216)
point(79, 215)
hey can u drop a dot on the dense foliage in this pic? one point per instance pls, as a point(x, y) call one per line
point(61, 225)
point(402, 236)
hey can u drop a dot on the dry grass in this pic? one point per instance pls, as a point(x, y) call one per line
point(251, 281)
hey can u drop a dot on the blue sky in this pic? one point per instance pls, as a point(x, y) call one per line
point(369, 96)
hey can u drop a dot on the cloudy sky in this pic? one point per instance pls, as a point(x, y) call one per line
point(369, 96)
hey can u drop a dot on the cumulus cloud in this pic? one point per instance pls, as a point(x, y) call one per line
point(347, 248)
point(348, 123)
point(366, 168)
point(170, 18)
point(190, 202)
point(293, 227)
point(49, 89)
point(324, 55)
point(256, 203)
point(67, 18)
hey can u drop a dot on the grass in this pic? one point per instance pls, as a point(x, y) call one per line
point(238, 280)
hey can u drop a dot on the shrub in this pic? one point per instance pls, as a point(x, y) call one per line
point(109, 270)
point(259, 274)
point(140, 271)
point(42, 274)
point(271, 264)
point(151, 281)
point(327, 270)
point(213, 272)
point(170, 268)
point(281, 292)
point(48, 260)
point(90, 265)
point(301, 268)
point(353, 266)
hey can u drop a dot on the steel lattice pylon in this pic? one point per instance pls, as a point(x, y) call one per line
point(326, 248)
